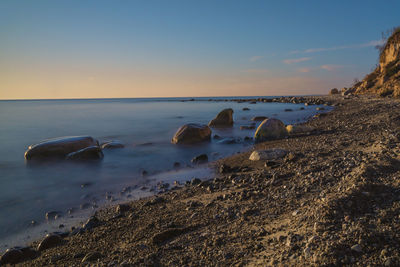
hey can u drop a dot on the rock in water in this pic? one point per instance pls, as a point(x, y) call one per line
point(203, 158)
point(59, 147)
point(88, 153)
point(269, 154)
point(192, 133)
point(259, 118)
point(270, 129)
point(112, 145)
point(223, 119)
point(296, 129)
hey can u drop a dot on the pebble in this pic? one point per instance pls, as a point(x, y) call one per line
point(356, 248)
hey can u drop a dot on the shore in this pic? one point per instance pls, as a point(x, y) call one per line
point(332, 200)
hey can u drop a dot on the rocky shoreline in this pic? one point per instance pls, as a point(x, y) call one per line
point(332, 199)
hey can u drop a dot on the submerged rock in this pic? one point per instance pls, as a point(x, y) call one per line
point(223, 119)
point(269, 154)
point(192, 133)
point(88, 153)
point(270, 129)
point(112, 145)
point(59, 147)
point(203, 158)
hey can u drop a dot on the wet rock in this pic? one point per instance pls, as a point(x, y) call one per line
point(259, 118)
point(203, 158)
point(216, 136)
point(92, 256)
point(288, 110)
point(59, 147)
point(270, 129)
point(177, 165)
point(245, 109)
point(269, 154)
point(50, 241)
point(195, 181)
point(223, 119)
point(88, 153)
point(320, 108)
point(229, 141)
point(112, 145)
point(192, 133)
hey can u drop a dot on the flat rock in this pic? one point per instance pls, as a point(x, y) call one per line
point(269, 154)
point(59, 147)
point(112, 145)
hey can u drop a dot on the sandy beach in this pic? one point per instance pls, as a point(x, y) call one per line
point(332, 200)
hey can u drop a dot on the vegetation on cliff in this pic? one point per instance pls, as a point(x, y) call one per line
point(385, 79)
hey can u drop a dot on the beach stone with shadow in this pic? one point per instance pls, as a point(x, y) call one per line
point(59, 148)
point(223, 119)
point(192, 133)
point(270, 129)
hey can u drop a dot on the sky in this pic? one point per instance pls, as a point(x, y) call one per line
point(120, 48)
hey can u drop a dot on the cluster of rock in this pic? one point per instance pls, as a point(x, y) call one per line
point(70, 148)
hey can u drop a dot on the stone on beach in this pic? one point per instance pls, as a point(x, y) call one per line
point(269, 154)
point(59, 147)
point(270, 129)
point(203, 158)
point(192, 133)
point(50, 241)
point(223, 119)
point(88, 153)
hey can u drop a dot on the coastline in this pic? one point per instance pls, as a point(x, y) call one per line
point(289, 212)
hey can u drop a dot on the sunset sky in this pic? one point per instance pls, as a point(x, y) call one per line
point(102, 49)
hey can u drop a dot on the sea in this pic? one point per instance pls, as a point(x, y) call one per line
point(75, 190)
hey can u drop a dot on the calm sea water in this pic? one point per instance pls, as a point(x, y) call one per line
point(145, 126)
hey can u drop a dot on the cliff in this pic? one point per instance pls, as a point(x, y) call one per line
point(385, 79)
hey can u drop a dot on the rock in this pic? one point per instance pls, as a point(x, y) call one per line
point(223, 119)
point(270, 129)
point(259, 118)
point(59, 147)
point(296, 129)
point(122, 208)
point(92, 256)
point(269, 154)
point(88, 153)
point(195, 181)
point(50, 241)
point(203, 158)
point(11, 256)
point(334, 91)
point(161, 237)
point(52, 215)
point(245, 109)
point(91, 223)
point(177, 165)
point(320, 108)
point(192, 133)
point(112, 145)
point(228, 141)
point(356, 248)
point(288, 109)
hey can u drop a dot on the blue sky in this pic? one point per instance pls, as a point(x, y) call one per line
point(72, 49)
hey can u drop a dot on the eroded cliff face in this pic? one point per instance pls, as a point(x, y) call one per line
point(385, 79)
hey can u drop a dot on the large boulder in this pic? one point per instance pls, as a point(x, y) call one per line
point(59, 147)
point(223, 119)
point(87, 153)
point(192, 133)
point(334, 91)
point(270, 129)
